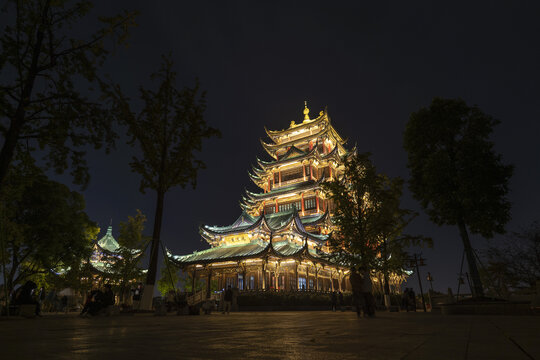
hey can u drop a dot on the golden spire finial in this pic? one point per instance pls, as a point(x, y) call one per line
point(306, 111)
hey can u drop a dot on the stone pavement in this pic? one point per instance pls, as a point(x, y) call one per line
point(272, 335)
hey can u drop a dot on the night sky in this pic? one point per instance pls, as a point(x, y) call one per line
point(371, 63)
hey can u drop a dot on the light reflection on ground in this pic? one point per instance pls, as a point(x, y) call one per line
point(272, 335)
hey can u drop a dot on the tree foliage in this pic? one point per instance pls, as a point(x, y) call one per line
point(169, 278)
point(44, 226)
point(50, 94)
point(169, 130)
point(369, 218)
point(456, 175)
point(126, 266)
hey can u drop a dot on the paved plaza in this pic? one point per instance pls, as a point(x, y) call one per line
point(272, 335)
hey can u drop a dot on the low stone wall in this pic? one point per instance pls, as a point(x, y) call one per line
point(284, 308)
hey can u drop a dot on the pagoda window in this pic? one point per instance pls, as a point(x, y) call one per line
point(301, 283)
point(240, 282)
point(310, 203)
point(310, 284)
point(276, 178)
point(269, 209)
point(324, 171)
point(251, 282)
point(289, 206)
point(292, 174)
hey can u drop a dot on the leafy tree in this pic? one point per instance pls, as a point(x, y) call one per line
point(44, 226)
point(455, 173)
point(126, 265)
point(169, 130)
point(169, 276)
point(42, 67)
point(369, 219)
point(514, 265)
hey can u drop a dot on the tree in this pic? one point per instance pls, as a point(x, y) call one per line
point(369, 219)
point(43, 67)
point(126, 265)
point(514, 265)
point(455, 173)
point(43, 225)
point(169, 130)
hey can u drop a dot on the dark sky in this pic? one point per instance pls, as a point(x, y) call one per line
point(371, 63)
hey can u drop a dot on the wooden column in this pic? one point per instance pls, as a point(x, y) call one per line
point(208, 281)
point(317, 201)
point(332, 279)
point(279, 177)
point(307, 277)
point(310, 172)
point(277, 209)
point(302, 201)
point(296, 274)
point(193, 280)
point(316, 278)
point(264, 274)
point(304, 171)
point(340, 277)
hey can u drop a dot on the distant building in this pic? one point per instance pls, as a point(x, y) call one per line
point(106, 252)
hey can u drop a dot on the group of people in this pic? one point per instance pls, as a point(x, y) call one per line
point(97, 301)
point(408, 300)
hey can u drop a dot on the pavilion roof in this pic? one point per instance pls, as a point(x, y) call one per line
point(255, 248)
point(108, 242)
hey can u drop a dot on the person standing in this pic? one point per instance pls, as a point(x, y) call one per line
point(356, 284)
point(334, 301)
point(228, 300)
point(367, 296)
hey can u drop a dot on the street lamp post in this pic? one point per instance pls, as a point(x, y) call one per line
point(430, 279)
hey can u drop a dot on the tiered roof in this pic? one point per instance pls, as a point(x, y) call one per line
point(281, 234)
point(270, 224)
point(319, 127)
point(253, 249)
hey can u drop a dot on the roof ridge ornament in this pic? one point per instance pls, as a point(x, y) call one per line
point(306, 111)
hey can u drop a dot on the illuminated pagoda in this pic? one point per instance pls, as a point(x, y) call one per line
point(105, 253)
point(279, 241)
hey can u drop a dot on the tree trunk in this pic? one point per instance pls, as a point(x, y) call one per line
point(154, 252)
point(477, 287)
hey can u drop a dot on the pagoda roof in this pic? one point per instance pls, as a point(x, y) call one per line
point(255, 248)
point(335, 153)
point(276, 134)
point(108, 242)
point(327, 129)
point(271, 223)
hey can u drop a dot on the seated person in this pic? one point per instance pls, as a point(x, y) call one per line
point(23, 296)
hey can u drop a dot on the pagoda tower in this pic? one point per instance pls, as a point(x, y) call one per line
point(279, 241)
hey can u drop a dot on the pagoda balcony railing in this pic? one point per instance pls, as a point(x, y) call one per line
point(292, 181)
